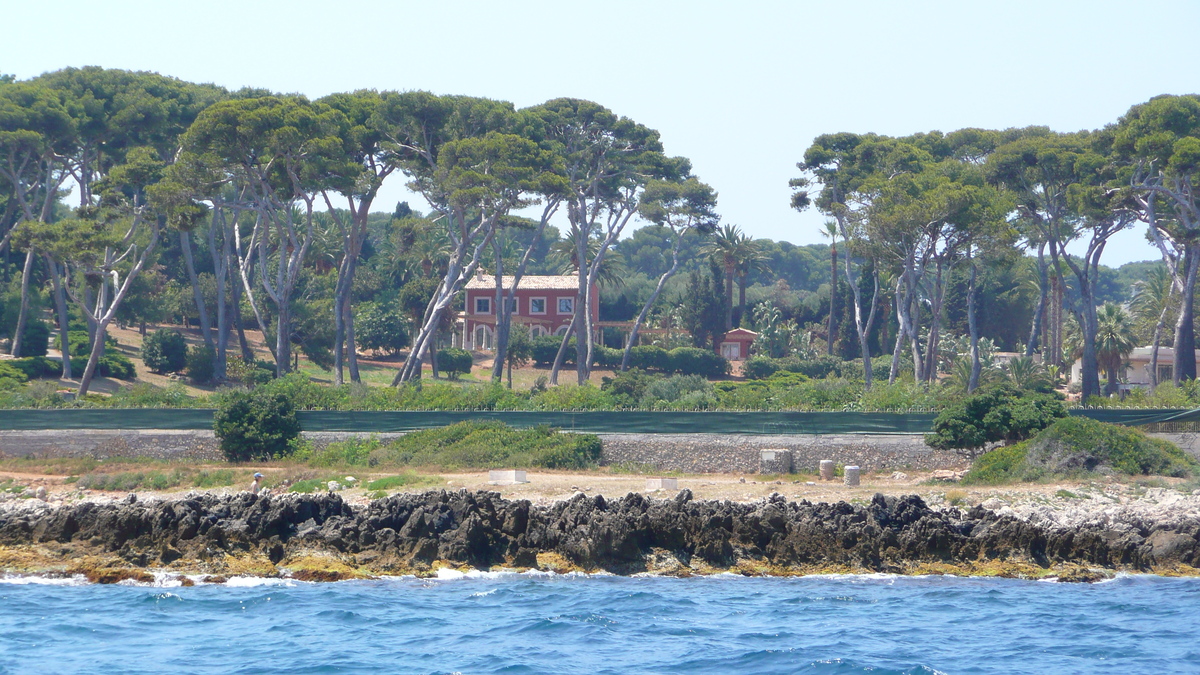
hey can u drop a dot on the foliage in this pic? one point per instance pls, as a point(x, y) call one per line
point(35, 341)
point(694, 361)
point(259, 424)
point(200, 364)
point(455, 362)
point(165, 351)
point(993, 414)
point(35, 367)
point(144, 395)
point(650, 357)
point(380, 327)
point(469, 445)
point(1076, 446)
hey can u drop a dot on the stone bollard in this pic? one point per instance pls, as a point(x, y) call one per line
point(851, 476)
point(827, 469)
point(775, 460)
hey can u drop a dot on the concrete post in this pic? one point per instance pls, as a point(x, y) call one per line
point(827, 469)
point(851, 476)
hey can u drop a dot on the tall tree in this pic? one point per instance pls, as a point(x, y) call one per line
point(607, 161)
point(830, 230)
point(1158, 144)
point(276, 154)
point(681, 206)
point(1057, 180)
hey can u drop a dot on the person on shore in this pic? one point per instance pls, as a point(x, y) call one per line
point(257, 484)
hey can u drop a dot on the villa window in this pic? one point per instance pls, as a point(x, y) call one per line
point(566, 305)
point(537, 305)
point(1166, 373)
point(483, 305)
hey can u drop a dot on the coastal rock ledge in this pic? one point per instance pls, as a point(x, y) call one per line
point(324, 537)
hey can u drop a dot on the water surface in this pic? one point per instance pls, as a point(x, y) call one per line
point(599, 624)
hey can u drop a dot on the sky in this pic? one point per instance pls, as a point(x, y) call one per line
point(740, 88)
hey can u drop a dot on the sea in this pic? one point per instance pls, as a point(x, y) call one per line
point(541, 623)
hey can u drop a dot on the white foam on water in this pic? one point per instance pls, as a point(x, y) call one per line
point(28, 580)
point(483, 594)
point(251, 582)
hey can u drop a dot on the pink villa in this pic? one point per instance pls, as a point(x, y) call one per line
point(544, 303)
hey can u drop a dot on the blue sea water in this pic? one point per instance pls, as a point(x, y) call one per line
point(512, 623)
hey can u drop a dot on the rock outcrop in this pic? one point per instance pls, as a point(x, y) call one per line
point(411, 532)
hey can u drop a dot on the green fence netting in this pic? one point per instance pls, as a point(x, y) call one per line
point(595, 421)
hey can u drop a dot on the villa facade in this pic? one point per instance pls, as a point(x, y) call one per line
point(544, 303)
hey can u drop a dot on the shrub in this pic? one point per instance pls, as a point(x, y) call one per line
point(35, 367)
point(381, 327)
point(10, 372)
point(679, 388)
point(255, 425)
point(165, 351)
point(110, 364)
point(650, 357)
point(760, 367)
point(695, 361)
point(1081, 444)
point(490, 445)
point(249, 374)
point(35, 341)
point(991, 415)
point(200, 364)
point(627, 388)
point(607, 357)
point(455, 362)
point(143, 395)
point(545, 349)
point(1075, 446)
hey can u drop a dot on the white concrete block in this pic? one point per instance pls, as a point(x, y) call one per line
point(827, 469)
point(851, 473)
point(662, 483)
point(506, 477)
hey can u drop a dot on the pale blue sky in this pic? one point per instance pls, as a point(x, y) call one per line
point(740, 88)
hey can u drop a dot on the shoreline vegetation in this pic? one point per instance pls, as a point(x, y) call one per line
point(321, 537)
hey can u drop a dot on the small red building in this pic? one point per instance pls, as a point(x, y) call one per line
point(735, 345)
point(544, 303)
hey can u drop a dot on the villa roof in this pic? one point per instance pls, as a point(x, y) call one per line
point(531, 282)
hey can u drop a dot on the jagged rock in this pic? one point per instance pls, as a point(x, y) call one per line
point(625, 535)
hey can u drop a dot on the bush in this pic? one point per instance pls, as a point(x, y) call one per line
point(249, 374)
point(165, 351)
point(110, 364)
point(545, 348)
point(36, 339)
point(760, 367)
point(455, 362)
point(627, 388)
point(1076, 446)
point(255, 425)
point(991, 415)
point(695, 361)
point(607, 357)
point(688, 391)
point(200, 364)
point(650, 357)
point(35, 367)
point(491, 445)
point(10, 372)
point(381, 327)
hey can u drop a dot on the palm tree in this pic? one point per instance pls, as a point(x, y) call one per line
point(1152, 302)
point(723, 249)
point(1025, 374)
point(750, 258)
point(565, 257)
point(830, 230)
point(1114, 340)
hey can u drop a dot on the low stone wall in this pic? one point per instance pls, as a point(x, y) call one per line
point(688, 453)
point(704, 453)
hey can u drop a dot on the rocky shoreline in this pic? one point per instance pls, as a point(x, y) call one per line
point(323, 537)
